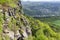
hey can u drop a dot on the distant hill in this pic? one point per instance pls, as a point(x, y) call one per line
point(41, 9)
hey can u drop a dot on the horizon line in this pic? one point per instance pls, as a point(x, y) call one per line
point(40, 1)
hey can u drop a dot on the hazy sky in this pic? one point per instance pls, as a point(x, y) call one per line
point(43, 0)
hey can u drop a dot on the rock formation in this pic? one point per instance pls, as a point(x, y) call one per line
point(15, 26)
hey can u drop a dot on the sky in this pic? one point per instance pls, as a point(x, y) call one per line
point(43, 0)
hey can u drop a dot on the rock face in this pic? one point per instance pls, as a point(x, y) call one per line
point(15, 25)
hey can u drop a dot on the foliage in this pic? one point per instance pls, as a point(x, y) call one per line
point(43, 30)
point(1, 25)
point(8, 3)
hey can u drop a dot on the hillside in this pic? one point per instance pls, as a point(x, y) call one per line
point(41, 9)
point(15, 25)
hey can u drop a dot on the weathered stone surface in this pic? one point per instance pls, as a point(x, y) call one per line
point(24, 30)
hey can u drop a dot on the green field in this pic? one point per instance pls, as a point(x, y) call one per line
point(57, 22)
point(51, 20)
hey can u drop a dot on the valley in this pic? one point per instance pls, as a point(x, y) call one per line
point(47, 12)
point(41, 9)
point(50, 20)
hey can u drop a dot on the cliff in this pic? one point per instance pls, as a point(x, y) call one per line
point(14, 25)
